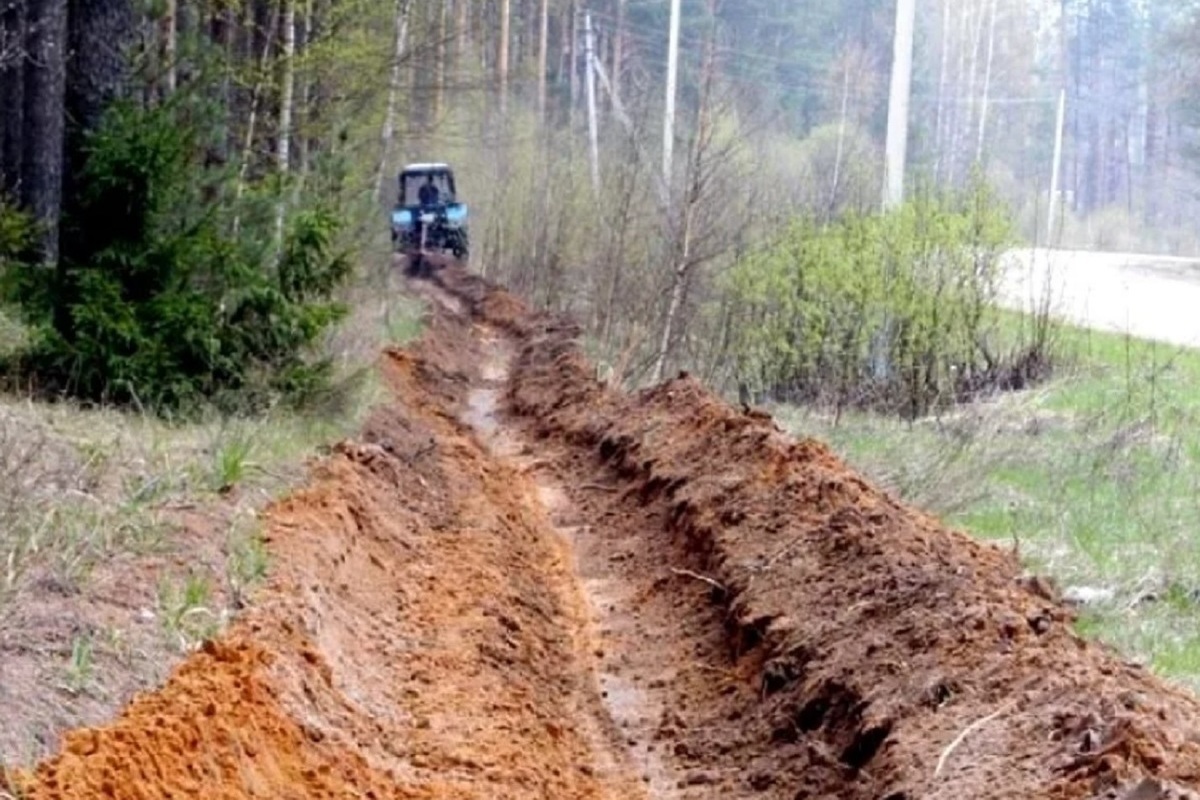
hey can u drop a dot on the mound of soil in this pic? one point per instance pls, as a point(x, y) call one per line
point(216, 730)
point(894, 658)
point(519, 583)
point(416, 639)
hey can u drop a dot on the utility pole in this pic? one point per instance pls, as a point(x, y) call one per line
point(897, 128)
point(589, 44)
point(1058, 143)
point(672, 81)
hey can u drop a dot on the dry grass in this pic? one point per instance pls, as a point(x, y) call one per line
point(125, 541)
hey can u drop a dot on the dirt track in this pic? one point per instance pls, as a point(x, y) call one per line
point(519, 584)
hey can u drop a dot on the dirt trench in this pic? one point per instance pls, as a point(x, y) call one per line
point(519, 583)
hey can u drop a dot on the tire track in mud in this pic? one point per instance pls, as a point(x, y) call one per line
point(520, 584)
point(660, 655)
point(628, 662)
point(484, 414)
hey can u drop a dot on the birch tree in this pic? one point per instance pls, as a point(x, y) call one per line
point(283, 149)
point(388, 133)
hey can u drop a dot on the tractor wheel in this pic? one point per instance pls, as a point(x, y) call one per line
point(462, 248)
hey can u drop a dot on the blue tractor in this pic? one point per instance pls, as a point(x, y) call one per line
point(428, 217)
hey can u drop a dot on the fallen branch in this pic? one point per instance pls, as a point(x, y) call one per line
point(687, 573)
point(979, 723)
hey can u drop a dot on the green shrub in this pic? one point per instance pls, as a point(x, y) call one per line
point(15, 232)
point(894, 312)
point(157, 303)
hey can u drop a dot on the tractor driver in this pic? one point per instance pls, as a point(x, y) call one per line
point(428, 194)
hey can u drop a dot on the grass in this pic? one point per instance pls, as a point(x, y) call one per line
point(78, 486)
point(187, 611)
point(79, 670)
point(1093, 477)
point(144, 533)
point(247, 562)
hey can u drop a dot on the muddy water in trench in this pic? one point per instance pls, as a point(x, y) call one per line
point(622, 724)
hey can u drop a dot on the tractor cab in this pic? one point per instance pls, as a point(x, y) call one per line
point(428, 215)
point(427, 185)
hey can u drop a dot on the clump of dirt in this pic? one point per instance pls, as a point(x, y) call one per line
point(216, 730)
point(890, 656)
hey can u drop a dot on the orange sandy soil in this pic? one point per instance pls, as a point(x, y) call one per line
point(519, 583)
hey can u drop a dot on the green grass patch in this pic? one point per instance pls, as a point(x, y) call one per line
point(80, 485)
point(1093, 477)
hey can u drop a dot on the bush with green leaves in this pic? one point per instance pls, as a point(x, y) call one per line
point(172, 291)
point(893, 312)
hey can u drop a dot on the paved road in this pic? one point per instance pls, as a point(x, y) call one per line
point(1151, 297)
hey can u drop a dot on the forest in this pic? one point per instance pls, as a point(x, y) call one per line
point(191, 188)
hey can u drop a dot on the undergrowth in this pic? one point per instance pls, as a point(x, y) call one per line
point(894, 313)
point(172, 293)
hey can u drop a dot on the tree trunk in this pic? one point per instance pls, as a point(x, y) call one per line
point(283, 149)
point(288, 89)
point(1155, 152)
point(987, 81)
point(618, 51)
point(543, 51)
point(44, 134)
point(678, 282)
point(388, 133)
point(266, 41)
point(101, 30)
point(939, 132)
point(222, 23)
point(439, 89)
point(99, 33)
point(955, 122)
point(573, 61)
point(973, 72)
point(502, 60)
point(12, 94)
point(462, 31)
point(170, 44)
point(684, 262)
point(841, 142)
point(304, 36)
